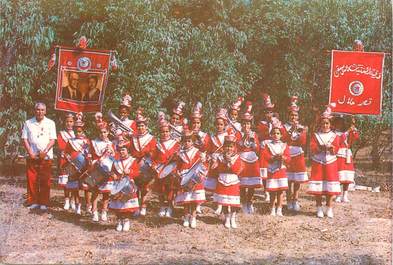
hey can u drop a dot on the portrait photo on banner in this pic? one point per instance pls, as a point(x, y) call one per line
point(81, 86)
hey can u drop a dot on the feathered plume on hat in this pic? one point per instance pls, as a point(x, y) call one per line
point(79, 120)
point(179, 108)
point(236, 105)
point(126, 101)
point(267, 102)
point(293, 104)
point(100, 123)
point(161, 119)
point(221, 114)
point(230, 137)
point(327, 114)
point(139, 116)
point(276, 123)
point(247, 114)
point(197, 111)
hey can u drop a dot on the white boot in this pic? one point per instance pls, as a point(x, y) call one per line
point(193, 222)
point(267, 196)
point(161, 213)
point(296, 206)
point(233, 220)
point(168, 212)
point(218, 210)
point(126, 225)
point(199, 209)
point(78, 209)
point(95, 216)
point(72, 205)
point(273, 211)
point(143, 211)
point(89, 209)
point(279, 211)
point(104, 215)
point(186, 220)
point(250, 208)
point(66, 204)
point(329, 212)
point(320, 212)
point(338, 198)
point(119, 226)
point(227, 223)
point(345, 196)
point(245, 208)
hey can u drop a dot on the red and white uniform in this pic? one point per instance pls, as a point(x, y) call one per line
point(74, 147)
point(263, 131)
point(250, 176)
point(188, 158)
point(346, 169)
point(277, 179)
point(324, 173)
point(203, 141)
point(215, 143)
point(176, 134)
point(104, 152)
point(162, 155)
point(62, 139)
point(142, 146)
point(128, 168)
point(227, 192)
point(237, 126)
point(296, 139)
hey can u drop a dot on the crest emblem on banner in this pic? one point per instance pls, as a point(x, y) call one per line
point(84, 63)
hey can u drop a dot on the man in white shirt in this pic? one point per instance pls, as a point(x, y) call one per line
point(39, 136)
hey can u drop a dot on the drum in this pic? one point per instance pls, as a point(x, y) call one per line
point(192, 177)
point(99, 173)
point(74, 167)
point(164, 171)
point(125, 188)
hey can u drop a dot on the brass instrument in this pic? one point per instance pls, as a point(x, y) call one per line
point(116, 123)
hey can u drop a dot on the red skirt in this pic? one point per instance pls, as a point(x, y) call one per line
point(250, 176)
point(277, 181)
point(324, 179)
point(227, 195)
point(296, 169)
point(346, 171)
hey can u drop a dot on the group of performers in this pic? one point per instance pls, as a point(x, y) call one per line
point(186, 165)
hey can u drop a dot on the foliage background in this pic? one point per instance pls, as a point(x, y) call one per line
point(207, 50)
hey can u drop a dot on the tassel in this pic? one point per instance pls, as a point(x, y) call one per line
point(52, 61)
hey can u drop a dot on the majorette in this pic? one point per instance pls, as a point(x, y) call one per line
point(324, 174)
point(228, 166)
point(163, 161)
point(214, 147)
point(294, 134)
point(248, 147)
point(276, 154)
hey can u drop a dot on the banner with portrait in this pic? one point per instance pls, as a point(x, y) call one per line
point(82, 77)
point(356, 80)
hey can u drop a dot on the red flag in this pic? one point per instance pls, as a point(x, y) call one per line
point(356, 80)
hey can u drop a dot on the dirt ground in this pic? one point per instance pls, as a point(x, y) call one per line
point(360, 233)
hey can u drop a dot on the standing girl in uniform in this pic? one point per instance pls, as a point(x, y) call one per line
point(62, 139)
point(324, 180)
